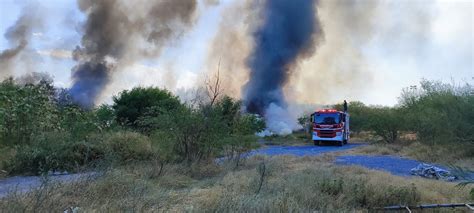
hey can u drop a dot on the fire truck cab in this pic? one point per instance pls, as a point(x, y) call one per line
point(330, 125)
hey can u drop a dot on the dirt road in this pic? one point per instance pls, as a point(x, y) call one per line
point(22, 184)
point(392, 164)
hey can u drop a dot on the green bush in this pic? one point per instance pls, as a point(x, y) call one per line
point(440, 113)
point(197, 134)
point(129, 106)
point(57, 152)
point(359, 115)
point(25, 111)
point(126, 146)
point(386, 122)
point(51, 152)
point(436, 112)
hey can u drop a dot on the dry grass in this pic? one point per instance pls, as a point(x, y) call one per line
point(289, 184)
point(6, 153)
point(295, 139)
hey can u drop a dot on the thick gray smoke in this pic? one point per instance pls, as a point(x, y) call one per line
point(18, 37)
point(288, 33)
point(123, 32)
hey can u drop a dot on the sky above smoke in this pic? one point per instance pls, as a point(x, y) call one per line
point(370, 51)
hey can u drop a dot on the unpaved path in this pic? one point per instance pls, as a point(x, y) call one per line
point(308, 150)
point(393, 164)
point(23, 184)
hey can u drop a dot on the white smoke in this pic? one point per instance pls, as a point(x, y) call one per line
point(279, 121)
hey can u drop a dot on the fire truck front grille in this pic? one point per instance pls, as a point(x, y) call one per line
point(327, 133)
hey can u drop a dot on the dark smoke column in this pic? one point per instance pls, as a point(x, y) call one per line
point(103, 36)
point(112, 32)
point(287, 32)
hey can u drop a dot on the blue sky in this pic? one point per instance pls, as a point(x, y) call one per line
point(447, 56)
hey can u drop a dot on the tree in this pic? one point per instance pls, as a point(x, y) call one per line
point(387, 123)
point(359, 114)
point(214, 88)
point(25, 110)
point(131, 105)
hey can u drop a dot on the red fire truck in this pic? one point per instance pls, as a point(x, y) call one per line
point(330, 125)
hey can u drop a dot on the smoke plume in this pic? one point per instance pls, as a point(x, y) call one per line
point(288, 33)
point(232, 45)
point(118, 33)
point(18, 36)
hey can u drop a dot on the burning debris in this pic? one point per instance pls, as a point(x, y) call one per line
point(288, 33)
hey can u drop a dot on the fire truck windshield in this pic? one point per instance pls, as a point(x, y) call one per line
point(327, 118)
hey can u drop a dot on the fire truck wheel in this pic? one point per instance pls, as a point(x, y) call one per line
point(345, 141)
point(317, 143)
point(340, 143)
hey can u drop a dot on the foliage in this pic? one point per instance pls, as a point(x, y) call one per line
point(47, 132)
point(124, 147)
point(359, 115)
point(440, 113)
point(386, 122)
point(200, 133)
point(105, 117)
point(25, 111)
point(129, 106)
point(305, 122)
point(51, 152)
point(437, 112)
point(60, 152)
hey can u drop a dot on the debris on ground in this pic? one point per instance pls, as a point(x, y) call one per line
point(432, 172)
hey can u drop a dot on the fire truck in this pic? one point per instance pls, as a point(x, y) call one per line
point(330, 125)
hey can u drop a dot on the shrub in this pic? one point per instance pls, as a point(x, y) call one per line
point(386, 122)
point(130, 105)
point(439, 112)
point(195, 134)
point(25, 111)
point(123, 147)
point(58, 152)
point(49, 152)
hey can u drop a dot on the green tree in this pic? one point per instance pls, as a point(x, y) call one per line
point(439, 112)
point(26, 110)
point(105, 117)
point(386, 122)
point(130, 105)
point(359, 115)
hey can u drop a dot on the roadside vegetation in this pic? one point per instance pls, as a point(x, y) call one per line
point(433, 123)
point(152, 152)
point(260, 184)
point(42, 130)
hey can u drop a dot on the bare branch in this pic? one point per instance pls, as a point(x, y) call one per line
point(214, 88)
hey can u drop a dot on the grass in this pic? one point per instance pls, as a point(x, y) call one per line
point(288, 184)
point(295, 139)
point(6, 153)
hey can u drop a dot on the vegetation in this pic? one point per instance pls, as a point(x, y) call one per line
point(155, 153)
point(437, 113)
point(129, 106)
point(45, 133)
point(288, 184)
